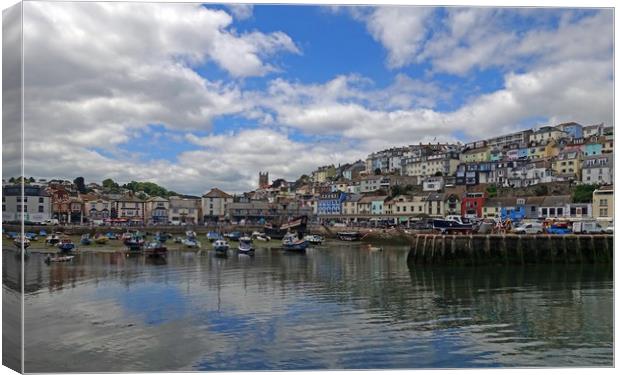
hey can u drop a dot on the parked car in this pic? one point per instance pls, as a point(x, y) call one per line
point(587, 227)
point(529, 228)
point(50, 222)
point(609, 229)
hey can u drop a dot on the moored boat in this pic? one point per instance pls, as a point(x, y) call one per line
point(192, 243)
point(85, 239)
point(453, 223)
point(133, 242)
point(32, 236)
point(245, 247)
point(66, 245)
point(213, 236)
point(314, 239)
point(233, 236)
point(297, 224)
point(220, 246)
point(291, 242)
point(52, 239)
point(155, 249)
point(111, 236)
point(58, 258)
point(101, 239)
point(20, 242)
point(261, 236)
point(349, 236)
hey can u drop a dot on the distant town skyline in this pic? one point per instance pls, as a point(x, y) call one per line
point(197, 96)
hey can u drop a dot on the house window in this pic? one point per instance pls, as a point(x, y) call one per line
point(560, 211)
point(40, 199)
point(603, 202)
point(41, 208)
point(603, 212)
point(543, 211)
point(3, 207)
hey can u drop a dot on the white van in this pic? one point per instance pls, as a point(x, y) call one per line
point(587, 227)
point(50, 222)
point(529, 228)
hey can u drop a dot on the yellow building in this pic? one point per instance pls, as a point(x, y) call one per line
point(568, 165)
point(476, 155)
point(542, 151)
point(547, 133)
point(603, 203)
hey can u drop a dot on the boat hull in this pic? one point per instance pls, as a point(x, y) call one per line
point(349, 236)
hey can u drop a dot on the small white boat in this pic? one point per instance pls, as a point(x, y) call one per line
point(191, 243)
point(261, 236)
point(52, 239)
point(314, 239)
point(245, 247)
point(58, 258)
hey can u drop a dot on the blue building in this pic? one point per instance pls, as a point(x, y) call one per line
point(330, 203)
point(573, 129)
point(593, 149)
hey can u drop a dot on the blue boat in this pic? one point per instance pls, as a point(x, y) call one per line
point(86, 240)
point(42, 233)
point(11, 235)
point(32, 236)
point(66, 245)
point(161, 237)
point(213, 236)
point(234, 236)
point(291, 242)
point(111, 235)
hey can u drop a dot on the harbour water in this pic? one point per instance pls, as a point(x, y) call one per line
point(339, 306)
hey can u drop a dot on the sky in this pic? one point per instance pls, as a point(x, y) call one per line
point(195, 96)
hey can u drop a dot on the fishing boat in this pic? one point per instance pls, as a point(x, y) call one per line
point(58, 258)
point(314, 239)
point(11, 235)
point(220, 246)
point(52, 239)
point(101, 239)
point(66, 245)
point(453, 223)
point(111, 236)
point(213, 236)
point(192, 243)
point(190, 234)
point(20, 242)
point(85, 239)
point(233, 236)
point(291, 242)
point(278, 232)
point(42, 233)
point(349, 236)
point(245, 247)
point(155, 249)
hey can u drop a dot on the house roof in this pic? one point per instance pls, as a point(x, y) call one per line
point(157, 199)
point(372, 198)
point(216, 193)
point(353, 198)
point(556, 200)
point(501, 202)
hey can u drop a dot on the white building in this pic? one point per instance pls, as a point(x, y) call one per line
point(598, 169)
point(35, 205)
point(215, 204)
point(185, 210)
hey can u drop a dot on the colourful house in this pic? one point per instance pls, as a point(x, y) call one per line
point(472, 204)
point(592, 149)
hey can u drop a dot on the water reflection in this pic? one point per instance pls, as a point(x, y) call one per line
point(334, 307)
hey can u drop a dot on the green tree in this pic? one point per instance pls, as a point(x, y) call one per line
point(541, 190)
point(492, 191)
point(583, 193)
point(438, 174)
point(79, 183)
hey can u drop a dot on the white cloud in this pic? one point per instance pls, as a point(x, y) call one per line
point(241, 11)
